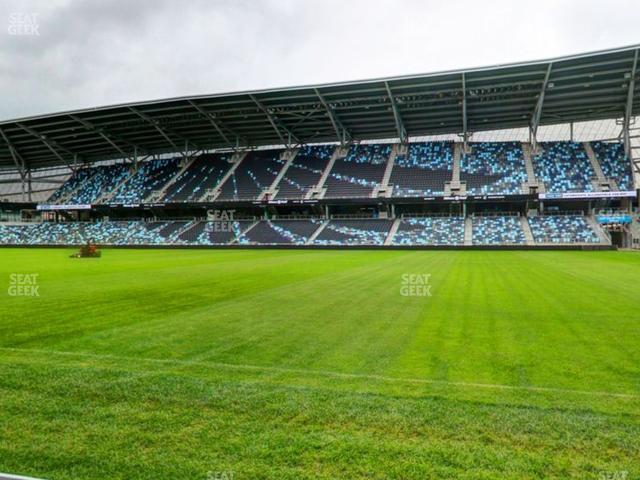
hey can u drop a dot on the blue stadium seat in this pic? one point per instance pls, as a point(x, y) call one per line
point(354, 232)
point(280, 232)
point(564, 167)
point(562, 229)
point(423, 171)
point(256, 173)
point(359, 172)
point(430, 231)
point(615, 164)
point(150, 176)
point(493, 168)
point(305, 171)
point(203, 174)
point(499, 230)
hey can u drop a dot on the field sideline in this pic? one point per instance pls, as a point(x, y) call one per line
point(196, 364)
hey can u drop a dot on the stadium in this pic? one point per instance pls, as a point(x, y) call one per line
point(335, 165)
point(420, 276)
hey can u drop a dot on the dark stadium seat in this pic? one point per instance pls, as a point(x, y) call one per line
point(359, 172)
point(202, 175)
point(149, 177)
point(498, 230)
point(281, 232)
point(430, 231)
point(564, 167)
point(493, 168)
point(305, 171)
point(423, 170)
point(562, 229)
point(256, 173)
point(355, 232)
point(615, 164)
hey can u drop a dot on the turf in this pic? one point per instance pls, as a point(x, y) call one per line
point(311, 364)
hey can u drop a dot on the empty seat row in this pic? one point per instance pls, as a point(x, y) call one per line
point(305, 171)
point(493, 168)
point(564, 167)
point(562, 229)
point(424, 170)
point(614, 162)
point(446, 231)
point(255, 174)
point(430, 231)
point(354, 232)
point(148, 178)
point(359, 172)
point(499, 230)
point(201, 176)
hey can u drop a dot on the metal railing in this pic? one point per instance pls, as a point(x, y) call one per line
point(296, 217)
point(355, 216)
point(429, 214)
point(495, 214)
point(560, 213)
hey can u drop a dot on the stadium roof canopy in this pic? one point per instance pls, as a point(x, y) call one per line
point(584, 87)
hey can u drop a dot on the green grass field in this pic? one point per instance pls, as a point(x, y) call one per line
point(311, 364)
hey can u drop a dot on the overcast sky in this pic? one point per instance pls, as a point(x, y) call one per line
point(66, 54)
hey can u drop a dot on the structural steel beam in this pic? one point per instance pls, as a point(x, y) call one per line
point(216, 124)
point(17, 158)
point(537, 112)
point(273, 121)
point(109, 138)
point(51, 145)
point(19, 162)
point(402, 132)
point(341, 132)
point(628, 112)
point(164, 131)
point(465, 121)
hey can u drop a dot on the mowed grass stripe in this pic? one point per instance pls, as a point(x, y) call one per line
point(322, 373)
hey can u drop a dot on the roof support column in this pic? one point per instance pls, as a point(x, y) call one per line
point(628, 111)
point(18, 161)
point(537, 112)
point(30, 187)
point(465, 133)
point(402, 132)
